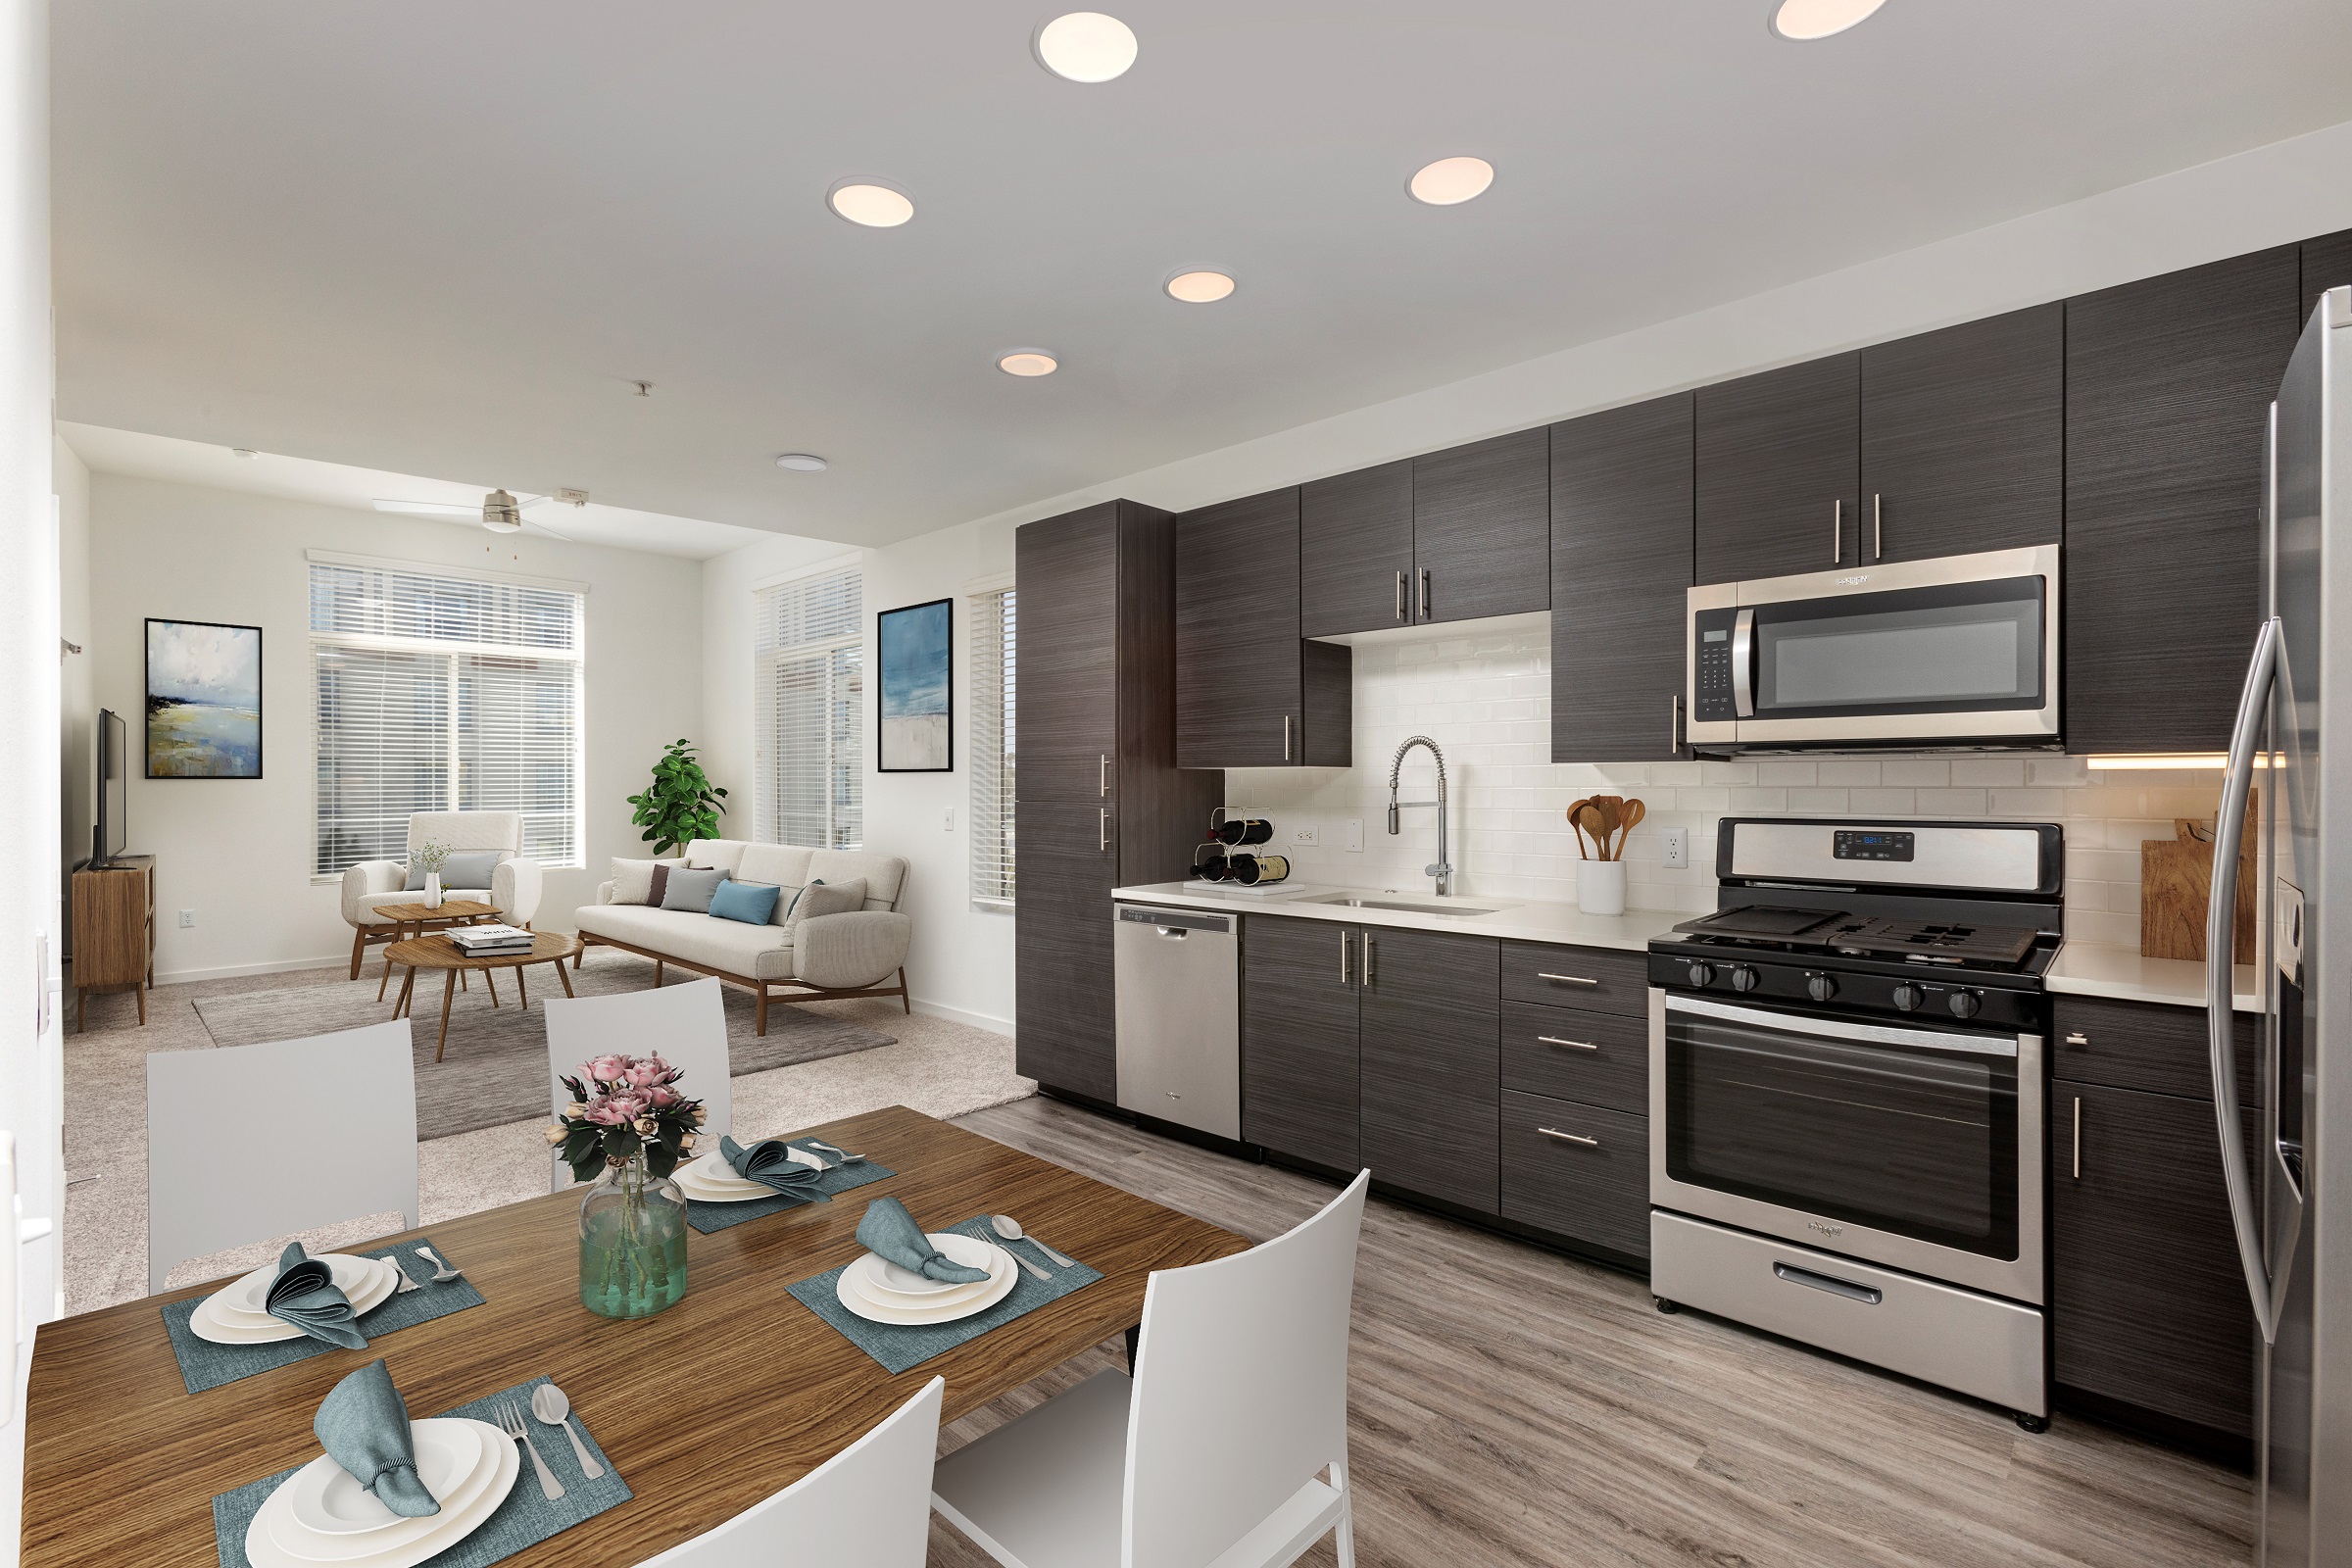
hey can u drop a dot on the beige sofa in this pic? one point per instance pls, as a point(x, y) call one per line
point(830, 956)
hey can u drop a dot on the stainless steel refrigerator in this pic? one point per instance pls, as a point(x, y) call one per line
point(2290, 1192)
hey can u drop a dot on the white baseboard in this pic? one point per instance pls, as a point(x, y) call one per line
point(978, 1021)
point(230, 971)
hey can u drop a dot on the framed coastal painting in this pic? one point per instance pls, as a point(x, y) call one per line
point(918, 717)
point(204, 699)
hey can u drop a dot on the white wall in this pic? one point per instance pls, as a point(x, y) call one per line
point(76, 712)
point(239, 852)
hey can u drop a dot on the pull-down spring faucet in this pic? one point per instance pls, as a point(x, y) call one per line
point(1441, 869)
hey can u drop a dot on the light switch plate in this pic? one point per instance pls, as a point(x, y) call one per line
point(1304, 834)
point(947, 821)
point(1355, 834)
point(1675, 843)
point(187, 918)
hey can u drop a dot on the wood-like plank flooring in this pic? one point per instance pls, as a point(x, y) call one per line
point(1512, 1407)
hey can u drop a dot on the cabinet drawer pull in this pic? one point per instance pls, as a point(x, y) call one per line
point(1371, 955)
point(1878, 530)
point(1401, 609)
point(1572, 1045)
point(2078, 1038)
point(1566, 979)
point(1837, 533)
point(1343, 957)
point(1102, 773)
point(2077, 1138)
point(1424, 593)
point(1569, 1138)
point(1103, 830)
point(1286, 737)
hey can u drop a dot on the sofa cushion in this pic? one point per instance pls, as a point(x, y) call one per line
point(460, 868)
point(784, 865)
point(690, 890)
point(633, 880)
point(885, 875)
point(753, 952)
point(748, 902)
point(722, 854)
point(821, 899)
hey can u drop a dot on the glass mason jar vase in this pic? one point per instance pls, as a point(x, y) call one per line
point(632, 1243)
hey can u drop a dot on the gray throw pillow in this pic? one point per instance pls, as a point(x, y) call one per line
point(691, 889)
point(826, 897)
point(470, 868)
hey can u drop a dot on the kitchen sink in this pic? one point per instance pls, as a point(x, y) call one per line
point(1439, 907)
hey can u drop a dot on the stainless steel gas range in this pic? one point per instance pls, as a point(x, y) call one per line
point(1848, 1095)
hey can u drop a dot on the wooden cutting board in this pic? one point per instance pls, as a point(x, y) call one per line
point(2176, 888)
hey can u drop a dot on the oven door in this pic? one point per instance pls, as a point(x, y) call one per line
point(1964, 648)
point(1917, 1147)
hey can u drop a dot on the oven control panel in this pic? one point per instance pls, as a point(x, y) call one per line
point(1918, 995)
point(1711, 699)
point(1875, 843)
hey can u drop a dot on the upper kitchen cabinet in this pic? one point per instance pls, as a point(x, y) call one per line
point(1964, 439)
point(1779, 471)
point(1069, 718)
point(2326, 264)
point(1621, 559)
point(2168, 386)
point(1482, 529)
point(1355, 551)
point(1250, 692)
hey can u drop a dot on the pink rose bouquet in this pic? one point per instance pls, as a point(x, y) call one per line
point(625, 1109)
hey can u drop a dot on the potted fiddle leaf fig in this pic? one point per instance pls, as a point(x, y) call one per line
point(681, 803)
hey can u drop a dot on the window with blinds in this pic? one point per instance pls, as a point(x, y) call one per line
point(992, 621)
point(808, 682)
point(435, 693)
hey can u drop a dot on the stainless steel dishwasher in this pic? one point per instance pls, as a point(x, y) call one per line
point(1178, 975)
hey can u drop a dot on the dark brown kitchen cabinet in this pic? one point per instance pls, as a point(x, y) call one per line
point(2147, 1304)
point(1964, 439)
point(1621, 559)
point(1482, 529)
point(1250, 692)
point(1429, 1064)
point(1578, 1170)
point(1355, 551)
point(2168, 386)
point(2327, 263)
point(1779, 471)
point(1098, 801)
point(1298, 1028)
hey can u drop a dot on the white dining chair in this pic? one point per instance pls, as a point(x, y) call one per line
point(1209, 1456)
point(687, 1024)
point(865, 1507)
point(246, 1142)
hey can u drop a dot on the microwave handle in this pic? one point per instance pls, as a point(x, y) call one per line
point(1744, 663)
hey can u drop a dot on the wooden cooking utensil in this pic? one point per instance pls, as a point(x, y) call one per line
point(1609, 806)
point(1588, 818)
point(1635, 811)
point(1574, 809)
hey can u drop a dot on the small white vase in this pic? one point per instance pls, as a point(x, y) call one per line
point(1600, 887)
point(432, 890)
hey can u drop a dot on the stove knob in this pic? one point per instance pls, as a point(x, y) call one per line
point(1908, 997)
point(1703, 974)
point(1964, 1004)
point(1744, 978)
point(1820, 987)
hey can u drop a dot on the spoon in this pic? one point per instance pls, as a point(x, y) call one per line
point(1575, 810)
point(549, 1405)
point(1006, 1226)
point(442, 1272)
point(1635, 811)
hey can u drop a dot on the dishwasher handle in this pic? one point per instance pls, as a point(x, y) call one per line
point(1175, 922)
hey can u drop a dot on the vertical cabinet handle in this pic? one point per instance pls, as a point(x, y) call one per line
point(1838, 533)
point(2077, 1138)
point(1400, 611)
point(1102, 829)
point(1102, 773)
point(1343, 957)
point(1424, 575)
point(1286, 737)
point(1371, 953)
point(1674, 727)
point(1878, 530)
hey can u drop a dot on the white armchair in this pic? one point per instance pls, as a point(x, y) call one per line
point(515, 882)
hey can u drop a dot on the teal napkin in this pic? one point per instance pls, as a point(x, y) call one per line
point(363, 1425)
point(304, 1294)
point(889, 1231)
point(770, 1162)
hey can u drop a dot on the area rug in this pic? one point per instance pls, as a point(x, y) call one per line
point(495, 1069)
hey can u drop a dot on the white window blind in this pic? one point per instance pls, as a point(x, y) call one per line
point(808, 681)
point(435, 694)
point(991, 620)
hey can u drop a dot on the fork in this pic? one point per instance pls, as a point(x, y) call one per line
point(847, 1159)
point(509, 1421)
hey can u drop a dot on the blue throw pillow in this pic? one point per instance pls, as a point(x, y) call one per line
point(752, 903)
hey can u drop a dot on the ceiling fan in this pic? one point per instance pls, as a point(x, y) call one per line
point(500, 511)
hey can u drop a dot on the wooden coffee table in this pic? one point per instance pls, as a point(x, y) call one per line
point(416, 920)
point(437, 952)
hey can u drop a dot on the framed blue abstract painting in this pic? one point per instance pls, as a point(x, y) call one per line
point(204, 699)
point(916, 657)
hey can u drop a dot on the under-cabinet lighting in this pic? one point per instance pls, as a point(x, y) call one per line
point(2214, 761)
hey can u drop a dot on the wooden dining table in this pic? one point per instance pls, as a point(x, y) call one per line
point(731, 1394)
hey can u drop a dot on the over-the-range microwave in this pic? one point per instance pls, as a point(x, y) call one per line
point(1960, 652)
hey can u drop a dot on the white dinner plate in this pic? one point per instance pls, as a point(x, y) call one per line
point(351, 1273)
point(1004, 1274)
point(221, 1327)
point(372, 1291)
point(328, 1500)
point(711, 1180)
point(885, 1283)
point(402, 1546)
point(733, 1193)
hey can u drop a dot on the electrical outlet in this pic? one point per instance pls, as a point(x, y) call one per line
point(187, 918)
point(1675, 843)
point(1355, 834)
point(1304, 836)
point(947, 821)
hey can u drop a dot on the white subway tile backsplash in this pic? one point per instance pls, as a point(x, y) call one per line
point(1950, 803)
point(1726, 773)
point(1783, 772)
point(1826, 801)
point(1759, 800)
point(1882, 802)
point(1916, 770)
point(1848, 771)
point(1990, 771)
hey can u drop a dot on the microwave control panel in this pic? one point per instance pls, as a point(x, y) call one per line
point(1711, 699)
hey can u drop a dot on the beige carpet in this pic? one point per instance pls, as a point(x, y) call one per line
point(939, 1068)
point(493, 1071)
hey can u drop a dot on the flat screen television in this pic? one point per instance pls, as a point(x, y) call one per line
point(113, 789)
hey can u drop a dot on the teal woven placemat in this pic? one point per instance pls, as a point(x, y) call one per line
point(708, 1217)
point(900, 1345)
point(525, 1519)
point(205, 1365)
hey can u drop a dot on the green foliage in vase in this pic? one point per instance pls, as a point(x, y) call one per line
point(680, 805)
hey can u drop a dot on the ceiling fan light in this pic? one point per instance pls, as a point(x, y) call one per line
point(1028, 362)
point(870, 204)
point(1084, 46)
point(1808, 21)
point(500, 514)
point(1450, 181)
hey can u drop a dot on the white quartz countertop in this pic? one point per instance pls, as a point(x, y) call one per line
point(1516, 920)
point(2096, 970)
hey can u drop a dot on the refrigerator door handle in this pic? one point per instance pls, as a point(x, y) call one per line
point(2265, 1290)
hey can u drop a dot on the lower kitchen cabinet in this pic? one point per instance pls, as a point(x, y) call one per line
point(1594, 1058)
point(1576, 1169)
point(1298, 1038)
point(1065, 863)
point(1427, 1061)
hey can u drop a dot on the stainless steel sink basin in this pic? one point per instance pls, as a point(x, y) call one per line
point(1438, 907)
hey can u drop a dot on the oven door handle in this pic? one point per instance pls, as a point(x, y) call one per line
point(1966, 1044)
point(1744, 663)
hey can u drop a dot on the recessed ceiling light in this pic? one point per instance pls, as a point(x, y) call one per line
point(1204, 287)
point(1452, 180)
point(1028, 362)
point(1804, 20)
point(872, 205)
point(245, 452)
point(1086, 46)
point(801, 462)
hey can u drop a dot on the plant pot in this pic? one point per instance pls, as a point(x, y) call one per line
point(632, 1243)
point(432, 890)
point(1600, 887)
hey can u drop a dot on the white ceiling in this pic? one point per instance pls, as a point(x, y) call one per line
point(443, 237)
